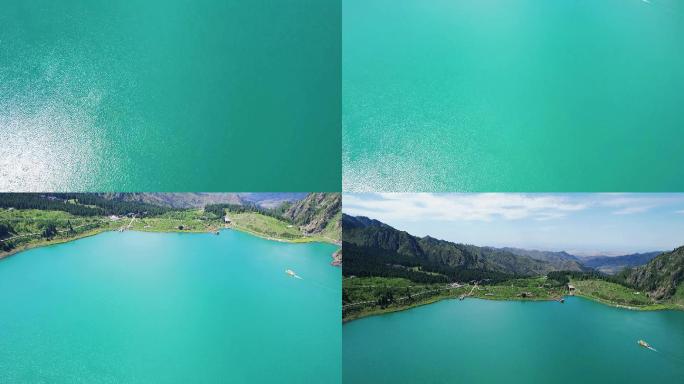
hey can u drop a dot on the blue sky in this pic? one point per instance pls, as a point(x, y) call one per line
point(580, 223)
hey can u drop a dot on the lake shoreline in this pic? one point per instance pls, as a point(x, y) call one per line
point(97, 231)
point(646, 308)
point(48, 243)
point(380, 312)
point(427, 302)
point(302, 240)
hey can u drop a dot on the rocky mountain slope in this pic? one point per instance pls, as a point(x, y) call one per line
point(661, 276)
point(317, 213)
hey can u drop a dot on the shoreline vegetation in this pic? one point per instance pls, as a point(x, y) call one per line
point(389, 270)
point(372, 296)
point(97, 231)
point(36, 222)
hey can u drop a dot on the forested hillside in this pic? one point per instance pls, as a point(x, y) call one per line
point(373, 248)
point(79, 204)
point(661, 276)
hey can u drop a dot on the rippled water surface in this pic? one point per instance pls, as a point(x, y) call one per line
point(169, 95)
point(513, 95)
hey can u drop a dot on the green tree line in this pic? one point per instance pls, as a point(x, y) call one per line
point(220, 209)
point(79, 204)
point(563, 277)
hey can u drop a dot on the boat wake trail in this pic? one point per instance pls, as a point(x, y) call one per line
point(292, 273)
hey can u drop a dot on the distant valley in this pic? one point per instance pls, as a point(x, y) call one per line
point(614, 264)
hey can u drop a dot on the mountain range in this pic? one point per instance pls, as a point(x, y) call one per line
point(560, 260)
point(567, 262)
point(200, 199)
point(614, 264)
point(375, 248)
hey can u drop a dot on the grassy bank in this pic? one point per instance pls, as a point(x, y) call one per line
point(367, 296)
point(272, 228)
point(33, 228)
point(617, 295)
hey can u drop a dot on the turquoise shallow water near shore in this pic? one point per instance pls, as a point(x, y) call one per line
point(170, 308)
point(484, 341)
point(173, 95)
point(513, 95)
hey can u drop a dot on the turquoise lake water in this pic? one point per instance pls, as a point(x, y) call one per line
point(512, 95)
point(152, 95)
point(170, 308)
point(481, 341)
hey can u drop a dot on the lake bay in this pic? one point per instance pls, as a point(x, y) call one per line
point(170, 307)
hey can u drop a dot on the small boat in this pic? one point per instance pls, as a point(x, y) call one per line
point(461, 297)
point(292, 274)
point(645, 345)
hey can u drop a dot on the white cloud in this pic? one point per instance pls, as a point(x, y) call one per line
point(453, 206)
point(633, 209)
point(625, 204)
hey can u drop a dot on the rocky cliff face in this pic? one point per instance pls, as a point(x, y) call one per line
point(661, 276)
point(316, 213)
